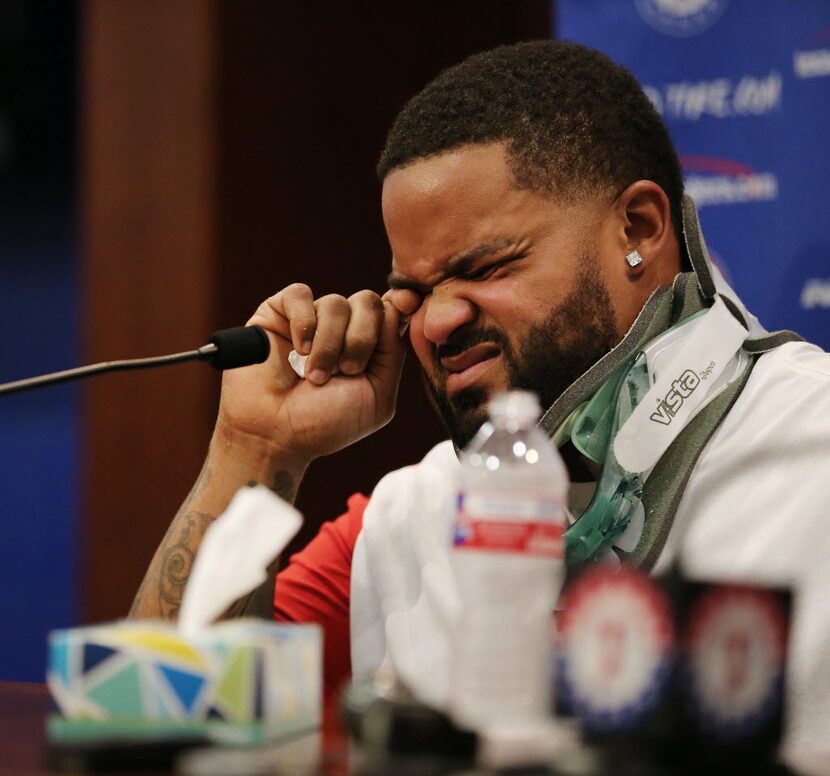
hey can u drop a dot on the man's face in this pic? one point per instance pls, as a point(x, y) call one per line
point(510, 288)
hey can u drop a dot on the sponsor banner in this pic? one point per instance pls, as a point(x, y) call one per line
point(746, 97)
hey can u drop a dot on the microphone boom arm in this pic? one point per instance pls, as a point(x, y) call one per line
point(204, 353)
point(226, 349)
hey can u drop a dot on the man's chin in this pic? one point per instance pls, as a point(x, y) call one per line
point(464, 413)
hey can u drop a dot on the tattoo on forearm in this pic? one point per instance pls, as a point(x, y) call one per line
point(282, 483)
point(177, 560)
point(161, 590)
point(166, 579)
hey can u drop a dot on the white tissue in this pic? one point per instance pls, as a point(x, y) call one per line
point(235, 553)
point(297, 363)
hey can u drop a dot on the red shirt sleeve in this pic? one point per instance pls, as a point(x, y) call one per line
point(315, 587)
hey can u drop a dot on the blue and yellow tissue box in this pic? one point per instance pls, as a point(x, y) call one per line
point(242, 681)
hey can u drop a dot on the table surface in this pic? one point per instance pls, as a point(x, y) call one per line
point(23, 748)
point(23, 708)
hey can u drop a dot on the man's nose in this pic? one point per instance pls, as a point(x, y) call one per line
point(444, 313)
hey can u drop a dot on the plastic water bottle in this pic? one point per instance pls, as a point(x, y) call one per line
point(508, 558)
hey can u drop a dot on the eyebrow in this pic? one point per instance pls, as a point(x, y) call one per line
point(456, 265)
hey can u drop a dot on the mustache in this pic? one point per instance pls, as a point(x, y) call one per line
point(466, 339)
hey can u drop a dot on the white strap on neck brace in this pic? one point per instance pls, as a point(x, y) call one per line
point(680, 390)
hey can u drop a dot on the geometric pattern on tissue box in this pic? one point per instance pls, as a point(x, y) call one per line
point(149, 672)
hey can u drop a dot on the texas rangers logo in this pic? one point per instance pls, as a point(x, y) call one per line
point(616, 648)
point(735, 650)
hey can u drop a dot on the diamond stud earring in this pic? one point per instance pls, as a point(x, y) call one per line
point(634, 258)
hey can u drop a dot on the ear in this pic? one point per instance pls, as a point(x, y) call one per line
point(644, 215)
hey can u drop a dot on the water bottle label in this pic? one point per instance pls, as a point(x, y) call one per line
point(510, 522)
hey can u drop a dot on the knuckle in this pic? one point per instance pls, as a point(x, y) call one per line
point(325, 353)
point(297, 290)
point(369, 299)
point(333, 303)
point(360, 343)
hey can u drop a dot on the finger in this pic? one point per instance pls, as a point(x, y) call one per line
point(289, 313)
point(405, 300)
point(333, 313)
point(269, 319)
point(385, 365)
point(296, 302)
point(362, 332)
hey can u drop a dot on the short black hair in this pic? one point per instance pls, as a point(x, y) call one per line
point(574, 122)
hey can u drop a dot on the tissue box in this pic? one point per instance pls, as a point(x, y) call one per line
point(242, 680)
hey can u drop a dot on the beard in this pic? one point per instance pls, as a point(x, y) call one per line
point(550, 355)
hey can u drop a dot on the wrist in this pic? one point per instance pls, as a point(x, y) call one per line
point(254, 458)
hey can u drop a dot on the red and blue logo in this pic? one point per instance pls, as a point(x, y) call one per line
point(735, 654)
point(616, 648)
point(813, 61)
point(710, 180)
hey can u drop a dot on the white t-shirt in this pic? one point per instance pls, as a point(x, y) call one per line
point(756, 510)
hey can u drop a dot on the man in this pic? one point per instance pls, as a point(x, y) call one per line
point(534, 207)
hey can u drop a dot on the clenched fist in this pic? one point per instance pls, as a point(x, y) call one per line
point(355, 357)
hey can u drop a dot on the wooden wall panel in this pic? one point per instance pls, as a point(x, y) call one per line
point(148, 176)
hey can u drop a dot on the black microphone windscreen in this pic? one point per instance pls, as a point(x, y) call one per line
point(242, 346)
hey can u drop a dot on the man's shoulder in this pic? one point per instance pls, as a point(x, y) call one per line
point(756, 498)
point(794, 375)
point(774, 441)
point(797, 358)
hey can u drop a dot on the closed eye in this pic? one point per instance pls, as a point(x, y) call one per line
point(485, 272)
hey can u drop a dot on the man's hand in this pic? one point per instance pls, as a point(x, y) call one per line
point(272, 424)
point(355, 357)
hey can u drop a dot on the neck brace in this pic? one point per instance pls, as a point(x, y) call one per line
point(647, 409)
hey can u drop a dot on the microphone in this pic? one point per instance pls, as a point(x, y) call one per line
point(240, 346)
point(226, 349)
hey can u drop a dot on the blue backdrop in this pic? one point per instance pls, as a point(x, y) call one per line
point(39, 313)
point(744, 87)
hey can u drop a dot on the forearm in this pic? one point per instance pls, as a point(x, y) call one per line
point(231, 463)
